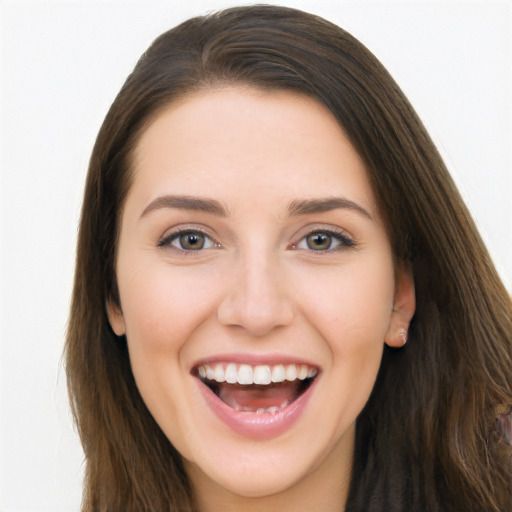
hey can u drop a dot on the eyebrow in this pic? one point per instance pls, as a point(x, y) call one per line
point(308, 206)
point(296, 208)
point(201, 204)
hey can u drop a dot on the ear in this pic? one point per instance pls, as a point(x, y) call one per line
point(404, 306)
point(115, 318)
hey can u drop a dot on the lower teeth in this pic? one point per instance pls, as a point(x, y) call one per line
point(227, 393)
point(262, 410)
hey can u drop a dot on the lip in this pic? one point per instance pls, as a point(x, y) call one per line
point(257, 426)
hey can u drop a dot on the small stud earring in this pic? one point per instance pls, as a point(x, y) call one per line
point(402, 335)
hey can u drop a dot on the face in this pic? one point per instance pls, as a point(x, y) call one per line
point(257, 287)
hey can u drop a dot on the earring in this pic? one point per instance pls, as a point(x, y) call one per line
point(398, 339)
point(402, 335)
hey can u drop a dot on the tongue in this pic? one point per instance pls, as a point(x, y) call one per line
point(252, 398)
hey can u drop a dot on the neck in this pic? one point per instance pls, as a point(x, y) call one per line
point(324, 489)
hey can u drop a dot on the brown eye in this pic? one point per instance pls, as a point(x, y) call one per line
point(190, 241)
point(319, 241)
point(325, 241)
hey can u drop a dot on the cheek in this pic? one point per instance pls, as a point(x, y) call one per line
point(162, 308)
point(352, 307)
point(352, 314)
point(163, 305)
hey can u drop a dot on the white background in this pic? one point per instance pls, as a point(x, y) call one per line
point(62, 64)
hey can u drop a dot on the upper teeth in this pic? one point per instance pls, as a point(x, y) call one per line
point(259, 374)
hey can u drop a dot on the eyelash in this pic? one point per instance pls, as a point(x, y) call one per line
point(336, 237)
point(168, 240)
point(339, 237)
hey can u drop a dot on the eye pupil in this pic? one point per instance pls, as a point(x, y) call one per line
point(319, 241)
point(192, 241)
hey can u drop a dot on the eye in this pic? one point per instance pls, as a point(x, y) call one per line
point(324, 241)
point(189, 240)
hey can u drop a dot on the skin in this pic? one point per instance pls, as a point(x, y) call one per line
point(257, 288)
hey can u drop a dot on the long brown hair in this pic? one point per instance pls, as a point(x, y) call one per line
point(425, 440)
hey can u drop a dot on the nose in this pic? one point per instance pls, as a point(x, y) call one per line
point(256, 299)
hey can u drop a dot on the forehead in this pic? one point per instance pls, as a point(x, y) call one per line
point(279, 143)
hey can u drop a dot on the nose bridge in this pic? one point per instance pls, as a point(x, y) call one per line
point(257, 298)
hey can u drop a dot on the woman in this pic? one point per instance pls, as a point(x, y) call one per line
point(281, 302)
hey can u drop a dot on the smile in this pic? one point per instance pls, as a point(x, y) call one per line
point(258, 401)
point(262, 374)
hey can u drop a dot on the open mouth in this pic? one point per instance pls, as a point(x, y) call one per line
point(257, 388)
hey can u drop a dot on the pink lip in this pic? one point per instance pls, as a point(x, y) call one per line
point(257, 426)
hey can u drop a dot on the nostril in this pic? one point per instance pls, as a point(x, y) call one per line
point(257, 320)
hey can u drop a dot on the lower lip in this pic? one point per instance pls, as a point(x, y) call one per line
point(264, 425)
